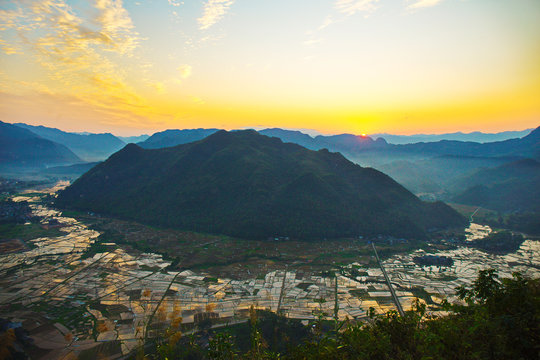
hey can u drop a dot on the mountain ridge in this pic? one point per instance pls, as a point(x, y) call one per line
point(90, 147)
point(22, 148)
point(249, 185)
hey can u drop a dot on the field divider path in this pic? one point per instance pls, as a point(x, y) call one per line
point(474, 213)
point(394, 296)
point(281, 292)
point(158, 305)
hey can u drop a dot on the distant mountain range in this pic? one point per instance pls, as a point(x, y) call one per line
point(377, 151)
point(436, 170)
point(90, 147)
point(437, 174)
point(252, 186)
point(458, 136)
point(22, 148)
point(133, 139)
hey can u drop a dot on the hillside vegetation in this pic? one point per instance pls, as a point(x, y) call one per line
point(248, 185)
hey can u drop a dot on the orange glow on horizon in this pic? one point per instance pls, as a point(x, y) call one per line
point(125, 77)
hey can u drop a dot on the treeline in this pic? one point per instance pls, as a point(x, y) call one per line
point(498, 319)
point(527, 222)
point(501, 242)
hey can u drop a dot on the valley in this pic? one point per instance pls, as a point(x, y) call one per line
point(88, 291)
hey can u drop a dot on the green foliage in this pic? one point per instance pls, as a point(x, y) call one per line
point(251, 186)
point(98, 247)
point(221, 347)
point(501, 242)
point(27, 232)
point(528, 222)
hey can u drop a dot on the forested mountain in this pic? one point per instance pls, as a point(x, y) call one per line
point(439, 174)
point(21, 148)
point(509, 187)
point(252, 186)
point(90, 147)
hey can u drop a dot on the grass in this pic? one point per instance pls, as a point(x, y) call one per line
point(27, 232)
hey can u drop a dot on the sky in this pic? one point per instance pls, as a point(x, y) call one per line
point(334, 66)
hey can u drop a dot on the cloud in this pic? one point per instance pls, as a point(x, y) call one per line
point(115, 25)
point(196, 100)
point(313, 41)
point(327, 22)
point(175, 2)
point(351, 7)
point(423, 3)
point(185, 71)
point(159, 86)
point(214, 10)
point(75, 51)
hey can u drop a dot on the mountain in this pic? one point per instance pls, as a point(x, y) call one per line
point(133, 139)
point(21, 148)
point(509, 187)
point(439, 174)
point(347, 143)
point(528, 146)
point(342, 142)
point(366, 150)
point(412, 176)
point(248, 185)
point(292, 136)
point(90, 147)
point(170, 138)
point(476, 136)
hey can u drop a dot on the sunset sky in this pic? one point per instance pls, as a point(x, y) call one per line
point(357, 66)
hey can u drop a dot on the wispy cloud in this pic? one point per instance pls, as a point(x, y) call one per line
point(175, 2)
point(115, 25)
point(352, 7)
point(75, 51)
point(313, 41)
point(423, 3)
point(185, 71)
point(329, 20)
point(214, 10)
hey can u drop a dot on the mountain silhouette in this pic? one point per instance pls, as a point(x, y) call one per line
point(21, 148)
point(248, 185)
point(90, 147)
